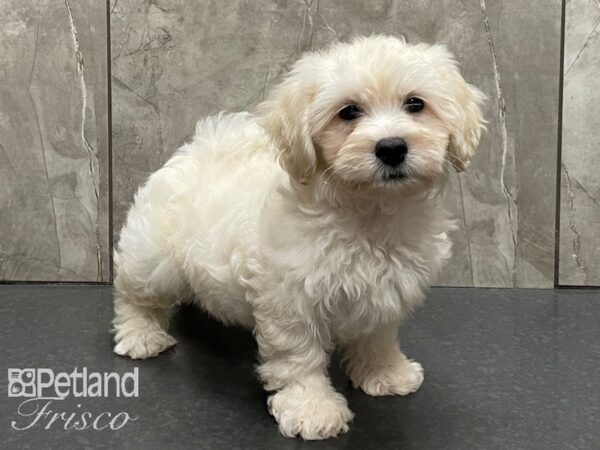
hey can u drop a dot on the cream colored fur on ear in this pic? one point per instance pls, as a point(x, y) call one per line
point(465, 138)
point(460, 106)
point(284, 116)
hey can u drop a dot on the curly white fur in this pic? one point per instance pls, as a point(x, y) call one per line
point(320, 250)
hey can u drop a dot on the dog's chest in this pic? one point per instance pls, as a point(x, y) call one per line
point(363, 282)
point(356, 270)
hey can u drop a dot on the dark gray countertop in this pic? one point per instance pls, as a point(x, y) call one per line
point(504, 369)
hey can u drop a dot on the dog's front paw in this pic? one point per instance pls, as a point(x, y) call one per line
point(310, 415)
point(397, 379)
point(143, 343)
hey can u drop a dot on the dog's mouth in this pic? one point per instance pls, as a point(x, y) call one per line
point(395, 176)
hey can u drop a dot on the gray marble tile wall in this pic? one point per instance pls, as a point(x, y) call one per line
point(579, 261)
point(54, 212)
point(175, 62)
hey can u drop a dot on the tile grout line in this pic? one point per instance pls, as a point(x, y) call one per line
point(109, 143)
point(52, 283)
point(563, 20)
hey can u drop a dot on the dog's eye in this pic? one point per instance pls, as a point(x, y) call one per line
point(350, 112)
point(414, 104)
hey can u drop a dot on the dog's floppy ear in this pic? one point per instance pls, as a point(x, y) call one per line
point(468, 123)
point(285, 117)
point(459, 105)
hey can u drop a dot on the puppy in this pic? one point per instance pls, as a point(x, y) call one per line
point(316, 222)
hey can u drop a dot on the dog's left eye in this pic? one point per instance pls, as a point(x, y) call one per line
point(414, 104)
point(350, 112)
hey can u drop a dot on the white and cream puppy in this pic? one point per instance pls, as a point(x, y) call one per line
point(316, 222)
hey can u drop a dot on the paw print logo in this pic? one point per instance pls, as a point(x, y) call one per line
point(21, 383)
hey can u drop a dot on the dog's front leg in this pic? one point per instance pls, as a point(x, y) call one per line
point(375, 363)
point(294, 364)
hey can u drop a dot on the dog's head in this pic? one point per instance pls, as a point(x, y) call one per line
point(376, 112)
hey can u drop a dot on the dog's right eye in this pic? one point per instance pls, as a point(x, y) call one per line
point(350, 112)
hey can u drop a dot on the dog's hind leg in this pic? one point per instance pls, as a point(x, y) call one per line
point(140, 331)
point(142, 305)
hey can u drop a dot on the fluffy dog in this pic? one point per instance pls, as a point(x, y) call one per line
point(316, 222)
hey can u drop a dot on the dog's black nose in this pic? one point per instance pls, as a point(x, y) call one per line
point(391, 151)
